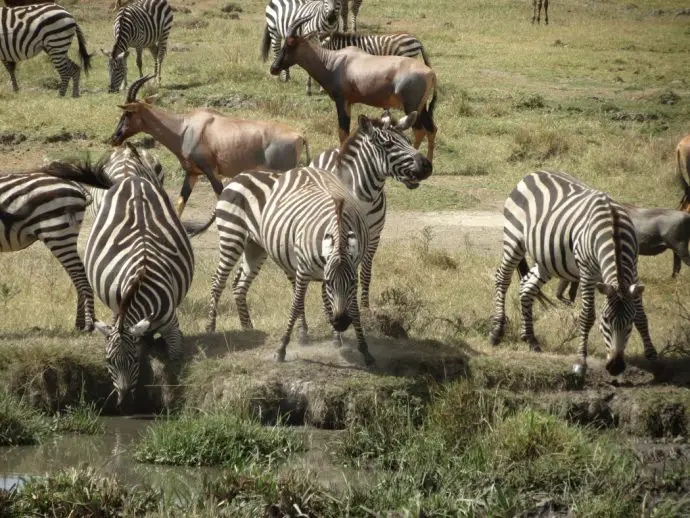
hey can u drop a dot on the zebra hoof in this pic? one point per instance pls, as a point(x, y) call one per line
point(495, 338)
point(303, 339)
point(535, 348)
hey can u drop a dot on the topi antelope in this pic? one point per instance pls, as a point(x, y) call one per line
point(351, 76)
point(683, 164)
point(208, 142)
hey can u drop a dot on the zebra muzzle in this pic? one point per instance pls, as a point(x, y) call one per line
point(341, 323)
point(615, 365)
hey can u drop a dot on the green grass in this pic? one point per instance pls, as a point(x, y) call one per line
point(83, 419)
point(20, 423)
point(219, 439)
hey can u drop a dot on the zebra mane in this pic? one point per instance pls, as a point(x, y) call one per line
point(84, 172)
point(128, 295)
point(387, 121)
point(339, 202)
point(617, 249)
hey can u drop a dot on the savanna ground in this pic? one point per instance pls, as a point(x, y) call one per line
point(445, 424)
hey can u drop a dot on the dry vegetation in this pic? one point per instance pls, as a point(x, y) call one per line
point(601, 92)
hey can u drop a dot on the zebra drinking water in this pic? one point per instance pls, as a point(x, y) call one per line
point(26, 31)
point(143, 24)
point(311, 226)
point(320, 16)
point(140, 263)
point(573, 232)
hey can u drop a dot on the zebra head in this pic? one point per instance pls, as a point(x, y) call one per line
point(131, 121)
point(123, 354)
point(117, 70)
point(391, 152)
point(616, 322)
point(331, 9)
point(341, 250)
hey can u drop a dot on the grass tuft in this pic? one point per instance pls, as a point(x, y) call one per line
point(19, 423)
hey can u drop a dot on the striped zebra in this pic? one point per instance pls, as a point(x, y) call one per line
point(375, 151)
point(26, 31)
point(47, 205)
point(344, 8)
point(310, 225)
point(573, 232)
point(143, 24)
point(118, 165)
point(140, 263)
point(281, 15)
point(396, 44)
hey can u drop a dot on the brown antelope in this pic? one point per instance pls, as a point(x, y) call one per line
point(536, 11)
point(351, 76)
point(208, 142)
point(683, 164)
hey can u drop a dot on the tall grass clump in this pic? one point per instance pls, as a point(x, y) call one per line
point(83, 419)
point(19, 423)
point(217, 439)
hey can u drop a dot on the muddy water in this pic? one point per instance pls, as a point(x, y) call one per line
point(109, 453)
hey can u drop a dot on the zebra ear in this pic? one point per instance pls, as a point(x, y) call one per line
point(606, 289)
point(104, 329)
point(365, 125)
point(140, 328)
point(352, 245)
point(636, 289)
point(406, 121)
point(327, 246)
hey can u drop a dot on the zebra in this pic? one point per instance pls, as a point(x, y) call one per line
point(47, 205)
point(117, 165)
point(396, 44)
point(140, 263)
point(281, 15)
point(28, 30)
point(310, 225)
point(356, 4)
point(140, 24)
point(536, 11)
point(573, 232)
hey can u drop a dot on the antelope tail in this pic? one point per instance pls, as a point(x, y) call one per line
point(306, 150)
point(194, 229)
point(265, 43)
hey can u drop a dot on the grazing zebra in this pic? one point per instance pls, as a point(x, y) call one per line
point(143, 24)
point(397, 44)
point(46, 205)
point(119, 164)
point(140, 263)
point(536, 10)
point(320, 16)
point(26, 31)
point(356, 4)
point(573, 232)
point(311, 226)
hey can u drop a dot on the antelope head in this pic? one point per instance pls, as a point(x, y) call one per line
point(288, 52)
point(131, 122)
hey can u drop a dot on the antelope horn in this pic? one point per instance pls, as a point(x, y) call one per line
point(134, 88)
point(297, 25)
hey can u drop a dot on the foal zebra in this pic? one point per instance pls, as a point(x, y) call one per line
point(311, 226)
point(281, 15)
point(398, 44)
point(356, 5)
point(46, 206)
point(573, 232)
point(140, 24)
point(140, 263)
point(26, 31)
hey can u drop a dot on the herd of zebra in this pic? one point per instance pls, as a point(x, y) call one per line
point(321, 222)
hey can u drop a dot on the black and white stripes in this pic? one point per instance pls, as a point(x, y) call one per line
point(356, 5)
point(573, 232)
point(281, 15)
point(27, 31)
point(143, 24)
point(140, 263)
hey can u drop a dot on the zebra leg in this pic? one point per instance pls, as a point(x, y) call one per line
point(11, 67)
point(298, 295)
point(343, 13)
point(65, 250)
point(546, 12)
point(355, 13)
point(303, 327)
point(309, 85)
point(328, 311)
point(173, 361)
point(511, 258)
point(162, 51)
point(361, 341)
point(529, 289)
point(587, 317)
point(252, 260)
point(365, 272)
point(140, 63)
point(643, 328)
point(67, 69)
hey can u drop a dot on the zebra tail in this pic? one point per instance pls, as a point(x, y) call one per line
point(194, 229)
point(84, 55)
point(265, 44)
point(425, 56)
point(522, 270)
point(306, 150)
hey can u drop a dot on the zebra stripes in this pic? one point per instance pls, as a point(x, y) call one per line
point(573, 232)
point(121, 163)
point(344, 8)
point(397, 44)
point(281, 15)
point(143, 24)
point(39, 207)
point(26, 31)
point(140, 263)
point(310, 225)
